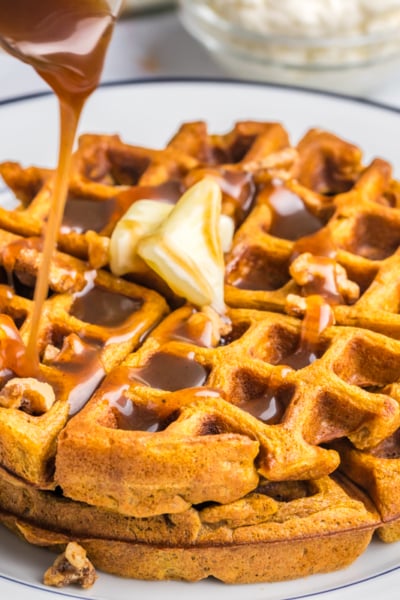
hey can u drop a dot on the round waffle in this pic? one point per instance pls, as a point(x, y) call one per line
point(169, 443)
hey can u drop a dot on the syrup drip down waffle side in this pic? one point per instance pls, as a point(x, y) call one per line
point(173, 442)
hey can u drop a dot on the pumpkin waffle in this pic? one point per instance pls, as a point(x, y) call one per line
point(338, 209)
point(180, 443)
point(79, 344)
point(268, 418)
point(108, 175)
point(378, 472)
point(278, 531)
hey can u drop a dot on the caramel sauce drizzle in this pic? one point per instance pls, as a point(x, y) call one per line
point(65, 41)
point(268, 408)
point(290, 218)
point(13, 357)
point(170, 372)
point(131, 416)
point(318, 316)
point(82, 214)
point(319, 243)
point(81, 369)
point(321, 292)
point(100, 306)
point(193, 327)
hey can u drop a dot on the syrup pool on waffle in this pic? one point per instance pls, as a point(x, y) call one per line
point(81, 214)
point(66, 42)
point(290, 218)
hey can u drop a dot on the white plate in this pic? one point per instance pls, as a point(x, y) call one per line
point(149, 113)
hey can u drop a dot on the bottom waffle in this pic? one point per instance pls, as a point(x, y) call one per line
point(377, 471)
point(280, 531)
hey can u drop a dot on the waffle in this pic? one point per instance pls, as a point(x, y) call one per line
point(78, 346)
point(284, 447)
point(313, 526)
point(171, 442)
point(350, 214)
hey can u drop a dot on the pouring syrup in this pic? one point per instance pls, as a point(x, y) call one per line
point(66, 42)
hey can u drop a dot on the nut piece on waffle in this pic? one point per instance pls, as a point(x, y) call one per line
point(90, 322)
point(272, 417)
point(330, 206)
point(217, 392)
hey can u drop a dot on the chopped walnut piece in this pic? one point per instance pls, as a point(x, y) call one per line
point(28, 394)
point(98, 249)
point(295, 305)
point(72, 566)
point(209, 326)
point(308, 270)
point(349, 289)
point(50, 353)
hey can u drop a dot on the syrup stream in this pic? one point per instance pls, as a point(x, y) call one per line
point(69, 122)
point(65, 41)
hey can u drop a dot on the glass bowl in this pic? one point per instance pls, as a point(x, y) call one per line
point(138, 6)
point(353, 62)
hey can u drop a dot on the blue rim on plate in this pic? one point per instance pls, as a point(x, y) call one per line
point(219, 81)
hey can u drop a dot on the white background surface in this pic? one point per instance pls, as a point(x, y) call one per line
point(151, 45)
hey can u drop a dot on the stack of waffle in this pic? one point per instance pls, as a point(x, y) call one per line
point(172, 448)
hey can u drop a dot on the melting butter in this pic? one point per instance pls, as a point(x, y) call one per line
point(184, 244)
point(141, 219)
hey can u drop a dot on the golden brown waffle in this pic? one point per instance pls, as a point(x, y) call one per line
point(108, 175)
point(377, 471)
point(179, 446)
point(279, 531)
point(269, 419)
point(91, 322)
point(338, 209)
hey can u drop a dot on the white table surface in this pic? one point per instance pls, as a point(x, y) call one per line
point(147, 46)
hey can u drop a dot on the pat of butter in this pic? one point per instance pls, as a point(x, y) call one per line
point(186, 249)
point(184, 244)
point(141, 219)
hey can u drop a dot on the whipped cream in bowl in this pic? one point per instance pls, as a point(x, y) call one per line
point(343, 45)
point(311, 18)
